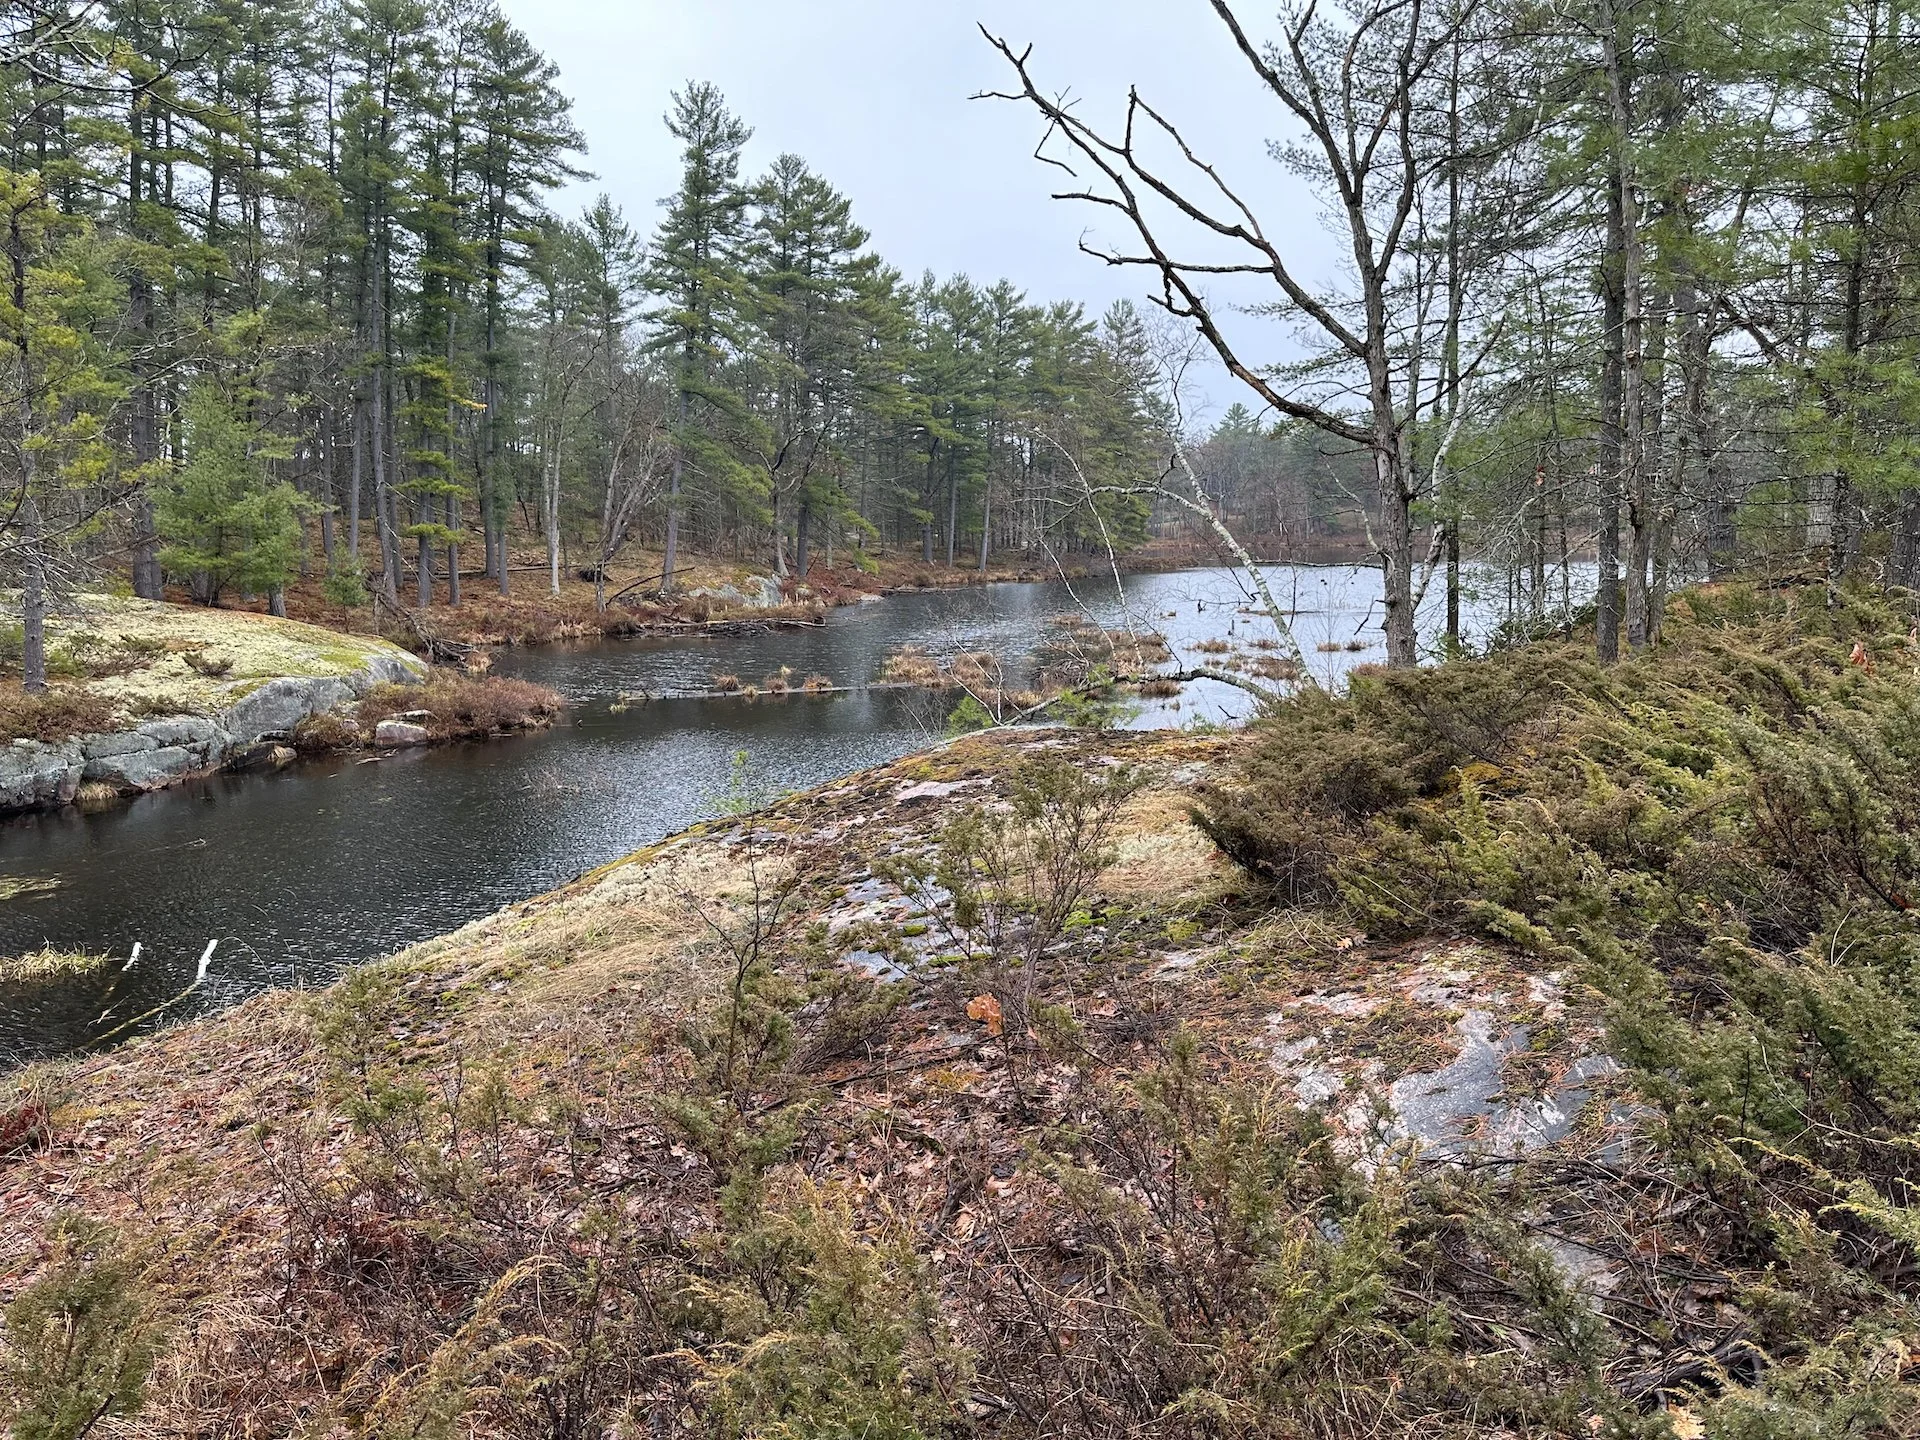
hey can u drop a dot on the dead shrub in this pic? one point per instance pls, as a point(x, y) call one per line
point(321, 734)
point(911, 665)
point(460, 707)
point(54, 716)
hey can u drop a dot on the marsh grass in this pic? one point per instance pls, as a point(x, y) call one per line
point(51, 963)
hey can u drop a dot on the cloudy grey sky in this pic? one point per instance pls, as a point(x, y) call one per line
point(874, 94)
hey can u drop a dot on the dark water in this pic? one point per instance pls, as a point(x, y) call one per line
point(329, 863)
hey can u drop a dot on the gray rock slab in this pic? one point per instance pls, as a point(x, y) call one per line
point(398, 734)
point(184, 730)
point(117, 742)
point(279, 705)
point(142, 770)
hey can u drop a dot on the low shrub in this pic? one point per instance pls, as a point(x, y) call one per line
point(324, 733)
point(1722, 839)
point(457, 706)
point(53, 716)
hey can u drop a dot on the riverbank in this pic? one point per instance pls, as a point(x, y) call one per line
point(1535, 1066)
point(709, 593)
point(145, 695)
point(795, 984)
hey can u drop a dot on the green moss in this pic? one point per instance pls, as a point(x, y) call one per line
point(1718, 837)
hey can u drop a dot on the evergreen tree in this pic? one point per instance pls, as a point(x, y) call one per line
point(223, 520)
point(695, 271)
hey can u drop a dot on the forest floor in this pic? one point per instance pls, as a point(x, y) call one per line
point(323, 1194)
point(1540, 1063)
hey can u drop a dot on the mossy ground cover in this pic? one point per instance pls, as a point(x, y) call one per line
point(795, 1125)
point(114, 660)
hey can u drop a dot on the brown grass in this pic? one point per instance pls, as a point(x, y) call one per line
point(460, 707)
point(319, 734)
point(48, 963)
point(911, 665)
point(1212, 647)
point(1272, 667)
point(978, 670)
point(55, 716)
point(815, 684)
point(726, 684)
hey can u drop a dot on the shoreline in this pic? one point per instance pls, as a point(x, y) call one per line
point(162, 747)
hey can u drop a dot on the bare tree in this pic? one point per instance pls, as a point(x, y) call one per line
point(1368, 86)
point(642, 456)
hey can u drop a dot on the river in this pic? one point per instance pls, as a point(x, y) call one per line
point(299, 874)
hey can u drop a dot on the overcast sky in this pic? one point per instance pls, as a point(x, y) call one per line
point(874, 94)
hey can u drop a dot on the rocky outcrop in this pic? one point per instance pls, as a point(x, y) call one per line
point(756, 592)
point(399, 734)
point(161, 752)
point(279, 705)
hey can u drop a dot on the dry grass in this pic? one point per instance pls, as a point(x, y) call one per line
point(1272, 667)
point(911, 665)
point(54, 716)
point(459, 707)
point(816, 684)
point(725, 684)
point(978, 670)
point(49, 963)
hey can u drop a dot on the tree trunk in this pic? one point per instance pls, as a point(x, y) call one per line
point(802, 523)
point(551, 519)
point(670, 559)
point(354, 482)
point(1633, 478)
point(1453, 584)
point(1396, 559)
point(1609, 449)
point(33, 599)
point(453, 551)
point(953, 500)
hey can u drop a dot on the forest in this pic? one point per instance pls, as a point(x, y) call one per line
point(288, 290)
point(1524, 1044)
point(1629, 284)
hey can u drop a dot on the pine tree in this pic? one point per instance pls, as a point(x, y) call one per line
point(223, 520)
point(695, 271)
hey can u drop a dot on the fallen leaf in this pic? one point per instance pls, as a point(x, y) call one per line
point(987, 1009)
